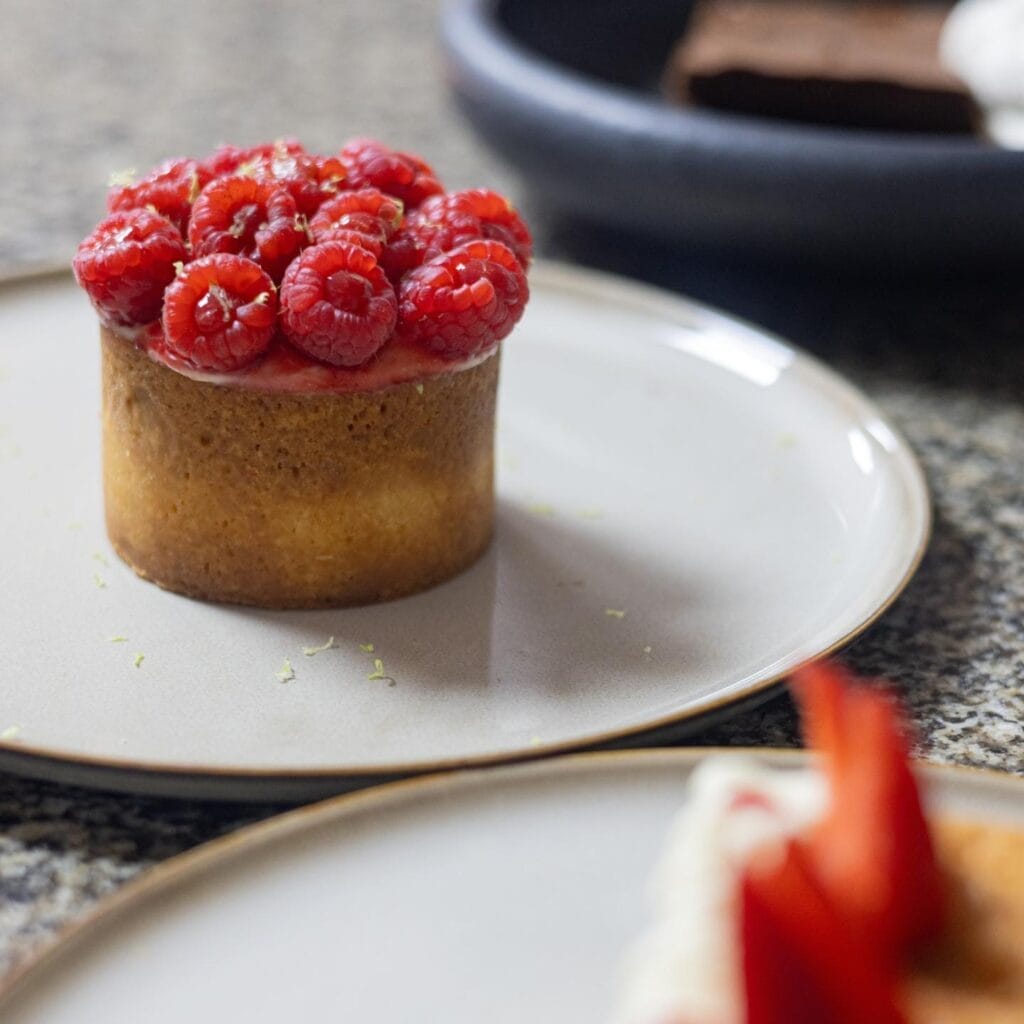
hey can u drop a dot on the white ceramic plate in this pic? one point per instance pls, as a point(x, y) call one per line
point(505, 895)
point(687, 509)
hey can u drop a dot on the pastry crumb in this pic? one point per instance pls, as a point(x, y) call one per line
point(647, 650)
point(287, 673)
point(310, 651)
point(419, 389)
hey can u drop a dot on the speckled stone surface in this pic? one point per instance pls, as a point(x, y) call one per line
point(90, 89)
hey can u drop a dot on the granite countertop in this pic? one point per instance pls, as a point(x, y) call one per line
point(89, 90)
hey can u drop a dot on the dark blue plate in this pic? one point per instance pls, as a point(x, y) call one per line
point(566, 92)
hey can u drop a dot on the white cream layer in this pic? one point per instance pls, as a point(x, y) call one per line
point(686, 967)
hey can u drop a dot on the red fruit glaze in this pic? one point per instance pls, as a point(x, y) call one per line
point(170, 189)
point(464, 301)
point(126, 263)
point(220, 313)
point(255, 219)
point(403, 175)
point(336, 304)
point(366, 217)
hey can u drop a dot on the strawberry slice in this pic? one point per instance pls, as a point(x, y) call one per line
point(800, 964)
point(872, 853)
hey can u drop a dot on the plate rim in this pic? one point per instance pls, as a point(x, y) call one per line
point(196, 863)
point(244, 782)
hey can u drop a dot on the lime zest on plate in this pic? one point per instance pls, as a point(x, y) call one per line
point(309, 652)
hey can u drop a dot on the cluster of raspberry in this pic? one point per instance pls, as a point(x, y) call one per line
point(334, 255)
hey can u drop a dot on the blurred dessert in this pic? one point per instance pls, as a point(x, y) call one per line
point(983, 43)
point(300, 364)
point(823, 895)
point(828, 62)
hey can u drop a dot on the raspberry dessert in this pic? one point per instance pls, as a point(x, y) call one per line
point(825, 895)
point(300, 365)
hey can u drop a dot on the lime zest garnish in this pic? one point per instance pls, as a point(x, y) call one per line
point(615, 613)
point(12, 732)
point(591, 513)
point(367, 648)
point(119, 639)
point(100, 557)
point(540, 509)
point(378, 673)
point(310, 651)
point(287, 673)
point(100, 582)
point(122, 178)
point(139, 658)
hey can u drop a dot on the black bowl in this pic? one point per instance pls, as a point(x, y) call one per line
point(566, 91)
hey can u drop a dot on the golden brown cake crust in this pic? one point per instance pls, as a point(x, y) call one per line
point(295, 500)
point(976, 975)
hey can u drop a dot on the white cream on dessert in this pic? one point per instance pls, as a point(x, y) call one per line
point(284, 369)
point(983, 44)
point(686, 968)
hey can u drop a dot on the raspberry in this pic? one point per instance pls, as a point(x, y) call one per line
point(367, 218)
point(229, 159)
point(336, 304)
point(297, 173)
point(255, 219)
point(445, 221)
point(402, 175)
point(170, 189)
point(126, 263)
point(220, 313)
point(464, 301)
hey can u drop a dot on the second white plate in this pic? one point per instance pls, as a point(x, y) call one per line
point(687, 510)
point(504, 896)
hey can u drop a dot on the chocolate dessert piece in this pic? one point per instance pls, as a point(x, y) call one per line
point(857, 64)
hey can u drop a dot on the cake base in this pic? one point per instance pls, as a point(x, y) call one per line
point(284, 500)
